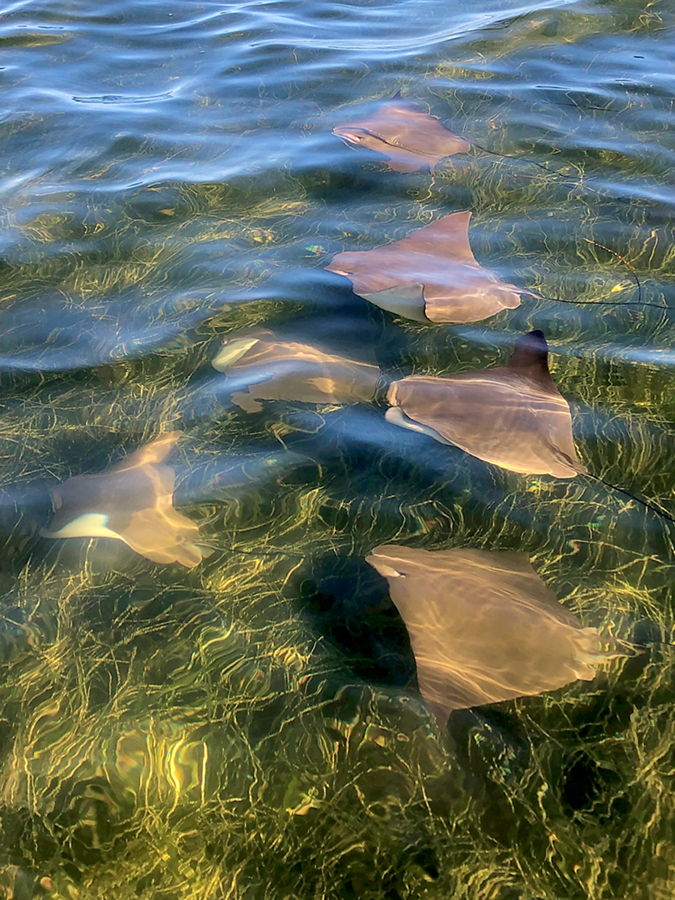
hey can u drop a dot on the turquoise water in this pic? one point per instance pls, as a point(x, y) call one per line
point(251, 727)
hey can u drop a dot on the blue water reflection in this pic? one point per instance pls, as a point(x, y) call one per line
point(250, 725)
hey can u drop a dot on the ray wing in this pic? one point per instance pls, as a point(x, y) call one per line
point(483, 626)
point(512, 416)
point(437, 257)
point(402, 131)
point(132, 502)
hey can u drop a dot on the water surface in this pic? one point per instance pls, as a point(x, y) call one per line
point(250, 728)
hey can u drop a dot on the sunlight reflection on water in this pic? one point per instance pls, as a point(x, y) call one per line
point(251, 727)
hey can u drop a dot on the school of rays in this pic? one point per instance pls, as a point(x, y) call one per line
point(484, 624)
point(488, 630)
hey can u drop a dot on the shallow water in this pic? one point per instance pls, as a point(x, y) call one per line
point(250, 727)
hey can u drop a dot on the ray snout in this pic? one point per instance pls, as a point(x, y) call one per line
point(349, 133)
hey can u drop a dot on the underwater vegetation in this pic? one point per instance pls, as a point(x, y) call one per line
point(336, 538)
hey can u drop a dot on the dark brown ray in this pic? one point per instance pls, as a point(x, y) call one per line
point(484, 627)
point(512, 416)
point(430, 276)
point(131, 502)
point(293, 371)
point(409, 137)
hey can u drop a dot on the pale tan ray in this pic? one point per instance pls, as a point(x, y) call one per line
point(484, 627)
point(430, 276)
point(405, 134)
point(292, 371)
point(131, 501)
point(512, 416)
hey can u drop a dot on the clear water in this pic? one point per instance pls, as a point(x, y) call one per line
point(250, 728)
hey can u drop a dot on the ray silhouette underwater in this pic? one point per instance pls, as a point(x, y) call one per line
point(401, 131)
point(484, 627)
point(259, 367)
point(432, 275)
point(132, 501)
point(410, 138)
point(429, 276)
point(137, 501)
point(510, 416)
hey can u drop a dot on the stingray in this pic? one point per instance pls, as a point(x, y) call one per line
point(511, 416)
point(131, 501)
point(409, 137)
point(484, 627)
point(275, 370)
point(429, 276)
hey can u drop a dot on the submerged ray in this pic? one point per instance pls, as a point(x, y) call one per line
point(276, 370)
point(131, 501)
point(409, 137)
point(429, 276)
point(484, 627)
point(511, 416)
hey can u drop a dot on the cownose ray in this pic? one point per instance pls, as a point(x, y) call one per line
point(409, 137)
point(293, 371)
point(131, 501)
point(512, 416)
point(429, 276)
point(484, 627)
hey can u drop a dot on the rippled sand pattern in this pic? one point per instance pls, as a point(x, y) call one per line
point(250, 728)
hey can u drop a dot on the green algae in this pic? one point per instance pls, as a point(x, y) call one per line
point(250, 729)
